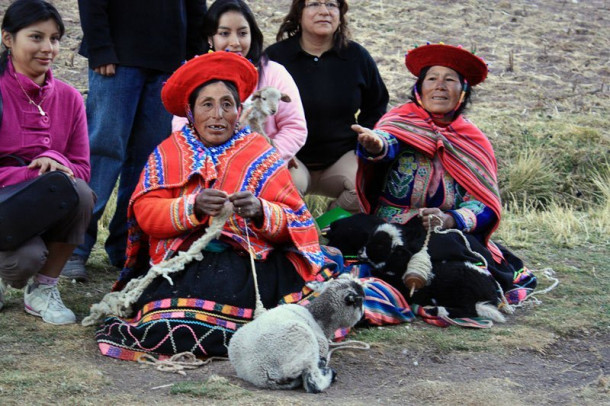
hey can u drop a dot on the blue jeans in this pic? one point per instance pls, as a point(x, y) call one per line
point(126, 121)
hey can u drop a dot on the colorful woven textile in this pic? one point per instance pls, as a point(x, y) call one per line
point(464, 151)
point(202, 307)
point(181, 166)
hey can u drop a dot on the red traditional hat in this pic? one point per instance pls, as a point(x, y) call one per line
point(467, 64)
point(214, 65)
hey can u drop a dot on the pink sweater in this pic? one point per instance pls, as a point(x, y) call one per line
point(287, 128)
point(60, 135)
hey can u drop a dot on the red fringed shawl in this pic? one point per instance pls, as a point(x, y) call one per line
point(182, 167)
point(463, 149)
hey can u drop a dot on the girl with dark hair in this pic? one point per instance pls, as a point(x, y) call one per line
point(230, 26)
point(338, 81)
point(44, 129)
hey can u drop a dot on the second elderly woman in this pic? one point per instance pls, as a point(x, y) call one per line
point(188, 179)
point(425, 162)
point(340, 85)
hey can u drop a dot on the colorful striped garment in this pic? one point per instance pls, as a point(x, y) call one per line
point(181, 166)
point(464, 152)
point(206, 302)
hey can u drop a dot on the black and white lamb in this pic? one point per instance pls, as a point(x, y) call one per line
point(287, 346)
point(264, 103)
point(456, 287)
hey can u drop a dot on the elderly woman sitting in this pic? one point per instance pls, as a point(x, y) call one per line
point(425, 162)
point(188, 179)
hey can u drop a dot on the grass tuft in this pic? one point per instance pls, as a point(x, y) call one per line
point(530, 177)
point(215, 387)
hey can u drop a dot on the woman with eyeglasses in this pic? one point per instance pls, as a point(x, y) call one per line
point(340, 85)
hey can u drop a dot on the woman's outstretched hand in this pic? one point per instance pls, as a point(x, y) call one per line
point(368, 139)
point(434, 217)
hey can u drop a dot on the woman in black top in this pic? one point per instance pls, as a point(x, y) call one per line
point(339, 85)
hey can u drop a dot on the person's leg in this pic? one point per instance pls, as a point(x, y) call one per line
point(112, 103)
point(17, 266)
point(69, 232)
point(339, 181)
point(152, 124)
point(41, 297)
point(300, 177)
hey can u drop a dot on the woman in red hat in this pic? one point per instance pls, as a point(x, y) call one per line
point(424, 162)
point(208, 165)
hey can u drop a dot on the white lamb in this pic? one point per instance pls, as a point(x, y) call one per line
point(264, 103)
point(287, 346)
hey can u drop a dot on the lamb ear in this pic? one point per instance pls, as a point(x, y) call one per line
point(285, 98)
point(256, 95)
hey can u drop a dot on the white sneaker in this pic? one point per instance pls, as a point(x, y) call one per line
point(44, 301)
point(2, 289)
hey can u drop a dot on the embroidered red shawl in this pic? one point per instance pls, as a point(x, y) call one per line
point(245, 162)
point(463, 149)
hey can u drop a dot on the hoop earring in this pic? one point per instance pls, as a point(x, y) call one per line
point(9, 51)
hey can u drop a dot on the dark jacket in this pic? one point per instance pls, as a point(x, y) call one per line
point(150, 34)
point(334, 88)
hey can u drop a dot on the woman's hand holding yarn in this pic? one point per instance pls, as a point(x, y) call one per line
point(210, 202)
point(247, 205)
point(435, 217)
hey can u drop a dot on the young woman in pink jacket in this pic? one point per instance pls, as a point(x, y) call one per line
point(230, 26)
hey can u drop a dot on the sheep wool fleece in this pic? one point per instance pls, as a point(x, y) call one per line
point(296, 336)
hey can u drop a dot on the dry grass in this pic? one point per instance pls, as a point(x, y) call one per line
point(531, 177)
point(544, 107)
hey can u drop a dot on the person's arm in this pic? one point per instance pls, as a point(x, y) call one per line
point(374, 95)
point(287, 128)
point(472, 215)
point(376, 145)
point(95, 24)
point(274, 224)
point(162, 215)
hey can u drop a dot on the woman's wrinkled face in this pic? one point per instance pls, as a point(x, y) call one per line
point(320, 18)
point(34, 48)
point(215, 114)
point(440, 90)
point(233, 34)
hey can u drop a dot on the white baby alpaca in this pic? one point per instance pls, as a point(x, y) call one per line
point(287, 346)
point(264, 103)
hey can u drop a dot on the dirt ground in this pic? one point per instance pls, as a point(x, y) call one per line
point(573, 371)
point(547, 56)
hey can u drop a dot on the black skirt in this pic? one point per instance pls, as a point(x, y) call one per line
point(203, 307)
